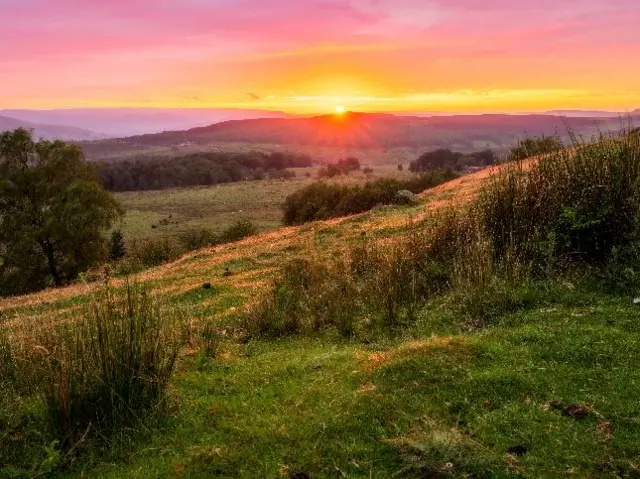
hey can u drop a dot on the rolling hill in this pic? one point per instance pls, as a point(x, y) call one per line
point(531, 393)
point(360, 131)
point(120, 122)
point(50, 132)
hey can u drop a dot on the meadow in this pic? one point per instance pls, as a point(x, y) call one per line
point(169, 213)
point(488, 331)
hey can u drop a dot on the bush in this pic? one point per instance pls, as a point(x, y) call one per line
point(530, 147)
point(320, 201)
point(443, 158)
point(117, 248)
point(149, 253)
point(110, 368)
point(237, 231)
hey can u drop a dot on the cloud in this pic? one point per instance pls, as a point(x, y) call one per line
point(111, 50)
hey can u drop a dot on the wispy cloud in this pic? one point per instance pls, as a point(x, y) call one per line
point(111, 50)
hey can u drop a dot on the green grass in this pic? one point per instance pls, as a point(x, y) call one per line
point(448, 403)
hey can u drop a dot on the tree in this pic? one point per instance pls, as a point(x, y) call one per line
point(117, 248)
point(53, 212)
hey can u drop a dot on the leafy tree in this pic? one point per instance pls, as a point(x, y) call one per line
point(117, 248)
point(53, 211)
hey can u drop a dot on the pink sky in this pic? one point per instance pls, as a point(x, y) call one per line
point(312, 55)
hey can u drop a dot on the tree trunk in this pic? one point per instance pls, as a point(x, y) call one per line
point(47, 247)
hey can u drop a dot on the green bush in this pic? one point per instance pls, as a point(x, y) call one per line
point(236, 232)
point(530, 147)
point(117, 248)
point(320, 201)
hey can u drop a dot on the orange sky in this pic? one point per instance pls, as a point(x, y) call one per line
point(308, 56)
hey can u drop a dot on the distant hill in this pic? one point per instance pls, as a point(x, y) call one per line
point(593, 113)
point(50, 132)
point(363, 131)
point(120, 122)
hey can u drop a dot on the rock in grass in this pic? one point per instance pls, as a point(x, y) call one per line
point(207, 286)
point(227, 273)
point(406, 197)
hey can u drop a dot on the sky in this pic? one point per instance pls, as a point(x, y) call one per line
point(311, 56)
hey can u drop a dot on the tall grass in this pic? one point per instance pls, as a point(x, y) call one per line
point(575, 208)
point(575, 204)
point(108, 369)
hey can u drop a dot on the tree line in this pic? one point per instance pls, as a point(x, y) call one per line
point(198, 169)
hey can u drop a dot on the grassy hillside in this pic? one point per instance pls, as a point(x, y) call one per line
point(537, 378)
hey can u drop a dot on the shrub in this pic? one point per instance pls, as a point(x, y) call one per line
point(237, 231)
point(110, 368)
point(535, 146)
point(320, 201)
point(149, 253)
point(194, 240)
point(117, 248)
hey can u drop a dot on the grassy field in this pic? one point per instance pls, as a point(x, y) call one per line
point(155, 214)
point(547, 389)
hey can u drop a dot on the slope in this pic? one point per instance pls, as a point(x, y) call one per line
point(50, 132)
point(446, 398)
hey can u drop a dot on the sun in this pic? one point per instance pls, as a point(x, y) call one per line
point(340, 110)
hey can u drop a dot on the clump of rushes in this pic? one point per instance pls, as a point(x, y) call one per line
point(108, 369)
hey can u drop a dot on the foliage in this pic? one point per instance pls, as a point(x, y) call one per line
point(195, 169)
point(342, 167)
point(575, 204)
point(535, 146)
point(320, 200)
point(117, 248)
point(236, 232)
point(444, 158)
point(53, 211)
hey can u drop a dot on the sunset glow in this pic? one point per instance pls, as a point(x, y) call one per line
point(309, 56)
